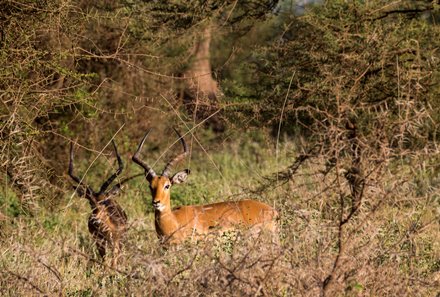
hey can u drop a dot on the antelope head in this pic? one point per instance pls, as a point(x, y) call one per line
point(84, 190)
point(160, 185)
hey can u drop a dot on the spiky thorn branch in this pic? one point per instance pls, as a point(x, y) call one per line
point(356, 181)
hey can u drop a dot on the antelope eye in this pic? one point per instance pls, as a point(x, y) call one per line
point(167, 187)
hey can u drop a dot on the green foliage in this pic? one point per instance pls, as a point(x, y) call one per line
point(50, 223)
point(10, 203)
point(81, 293)
point(343, 57)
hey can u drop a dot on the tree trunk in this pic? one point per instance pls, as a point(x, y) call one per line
point(201, 91)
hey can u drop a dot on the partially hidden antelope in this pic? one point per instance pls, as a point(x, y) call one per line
point(108, 221)
point(193, 221)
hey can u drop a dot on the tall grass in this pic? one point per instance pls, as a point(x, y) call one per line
point(391, 247)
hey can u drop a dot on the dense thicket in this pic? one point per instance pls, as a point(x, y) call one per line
point(86, 69)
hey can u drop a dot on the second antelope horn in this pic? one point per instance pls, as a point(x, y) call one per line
point(114, 175)
point(73, 176)
point(178, 158)
point(149, 172)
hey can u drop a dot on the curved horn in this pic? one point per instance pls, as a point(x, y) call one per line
point(149, 172)
point(114, 175)
point(89, 190)
point(178, 158)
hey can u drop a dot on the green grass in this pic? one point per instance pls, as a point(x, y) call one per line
point(390, 249)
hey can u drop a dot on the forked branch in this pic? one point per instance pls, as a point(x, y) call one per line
point(356, 182)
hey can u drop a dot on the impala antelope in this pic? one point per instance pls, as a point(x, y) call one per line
point(192, 221)
point(108, 221)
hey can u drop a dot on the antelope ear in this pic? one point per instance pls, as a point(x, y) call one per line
point(180, 177)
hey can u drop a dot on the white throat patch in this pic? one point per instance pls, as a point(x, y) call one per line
point(159, 206)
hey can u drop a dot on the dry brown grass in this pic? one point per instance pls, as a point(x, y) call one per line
point(390, 246)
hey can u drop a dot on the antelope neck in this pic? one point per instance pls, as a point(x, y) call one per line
point(166, 222)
